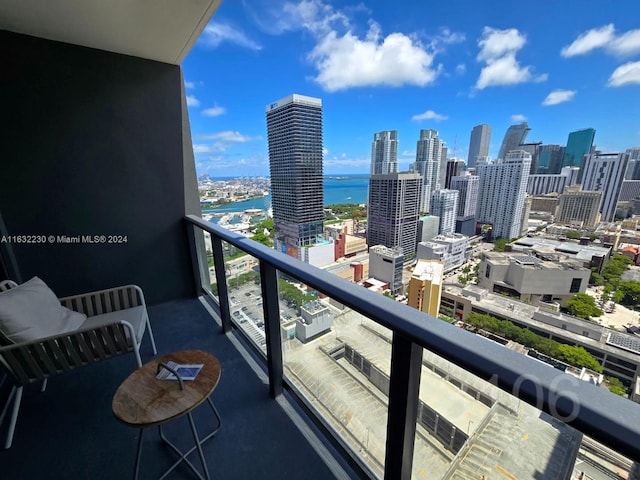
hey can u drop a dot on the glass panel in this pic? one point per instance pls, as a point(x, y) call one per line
point(204, 258)
point(245, 293)
point(469, 428)
point(340, 363)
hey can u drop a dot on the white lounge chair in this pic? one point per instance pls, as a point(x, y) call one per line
point(38, 341)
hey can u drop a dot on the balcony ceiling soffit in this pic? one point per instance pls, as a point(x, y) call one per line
point(162, 30)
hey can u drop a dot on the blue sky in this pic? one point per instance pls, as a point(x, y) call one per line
point(408, 65)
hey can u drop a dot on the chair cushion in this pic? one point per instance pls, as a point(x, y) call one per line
point(32, 311)
point(136, 316)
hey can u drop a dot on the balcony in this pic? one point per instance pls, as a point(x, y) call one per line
point(385, 392)
point(323, 408)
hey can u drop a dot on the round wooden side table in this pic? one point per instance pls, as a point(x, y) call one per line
point(144, 401)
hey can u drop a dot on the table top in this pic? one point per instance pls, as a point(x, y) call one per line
point(142, 400)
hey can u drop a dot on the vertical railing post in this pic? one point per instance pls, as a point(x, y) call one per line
point(195, 256)
point(404, 389)
point(221, 281)
point(271, 309)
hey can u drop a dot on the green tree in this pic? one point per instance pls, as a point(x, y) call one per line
point(596, 278)
point(629, 291)
point(572, 234)
point(263, 239)
point(293, 294)
point(583, 306)
point(577, 356)
point(615, 386)
point(500, 245)
point(266, 223)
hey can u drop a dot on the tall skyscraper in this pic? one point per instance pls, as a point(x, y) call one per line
point(452, 168)
point(478, 144)
point(604, 172)
point(503, 187)
point(294, 131)
point(384, 152)
point(467, 186)
point(633, 168)
point(549, 159)
point(516, 135)
point(429, 156)
point(579, 144)
point(393, 210)
point(444, 204)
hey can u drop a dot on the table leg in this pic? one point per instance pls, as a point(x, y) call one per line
point(198, 443)
point(136, 470)
point(198, 446)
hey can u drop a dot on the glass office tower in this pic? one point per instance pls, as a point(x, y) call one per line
point(578, 145)
point(478, 144)
point(294, 130)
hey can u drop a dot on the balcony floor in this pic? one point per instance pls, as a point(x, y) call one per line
point(69, 430)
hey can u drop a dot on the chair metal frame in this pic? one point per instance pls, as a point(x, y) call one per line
point(37, 360)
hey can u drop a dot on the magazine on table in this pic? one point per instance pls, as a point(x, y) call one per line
point(186, 371)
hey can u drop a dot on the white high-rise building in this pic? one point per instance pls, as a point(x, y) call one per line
point(503, 187)
point(384, 152)
point(542, 184)
point(478, 144)
point(604, 172)
point(468, 186)
point(429, 156)
point(444, 204)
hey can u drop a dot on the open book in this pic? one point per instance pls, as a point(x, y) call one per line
point(186, 372)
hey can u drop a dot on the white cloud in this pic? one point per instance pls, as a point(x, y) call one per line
point(447, 37)
point(214, 111)
point(559, 96)
point(518, 118)
point(189, 84)
point(228, 136)
point(625, 44)
point(198, 148)
point(348, 61)
point(461, 68)
point(498, 50)
point(626, 74)
point(192, 101)
point(589, 40)
point(216, 33)
point(409, 153)
point(429, 115)
point(345, 58)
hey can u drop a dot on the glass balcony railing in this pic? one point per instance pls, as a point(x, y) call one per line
point(406, 395)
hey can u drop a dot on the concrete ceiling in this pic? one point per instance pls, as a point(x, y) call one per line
point(162, 30)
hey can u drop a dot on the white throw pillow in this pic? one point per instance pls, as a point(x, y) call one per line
point(31, 311)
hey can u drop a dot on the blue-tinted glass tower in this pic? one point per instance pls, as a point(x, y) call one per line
point(578, 145)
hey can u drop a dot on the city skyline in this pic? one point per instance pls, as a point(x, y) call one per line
point(498, 66)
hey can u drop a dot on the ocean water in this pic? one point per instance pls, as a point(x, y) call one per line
point(337, 189)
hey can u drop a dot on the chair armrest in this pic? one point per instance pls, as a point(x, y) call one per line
point(32, 361)
point(105, 301)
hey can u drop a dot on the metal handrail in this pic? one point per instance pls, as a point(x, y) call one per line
point(609, 419)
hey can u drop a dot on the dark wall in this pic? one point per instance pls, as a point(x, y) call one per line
point(93, 145)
